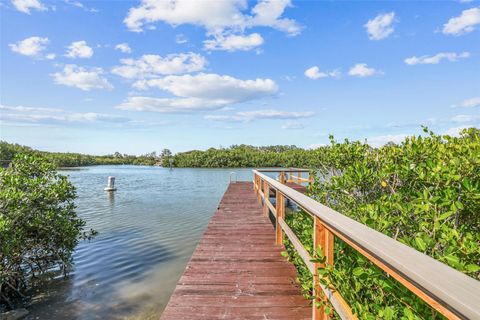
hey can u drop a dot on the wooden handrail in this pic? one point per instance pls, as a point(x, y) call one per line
point(452, 293)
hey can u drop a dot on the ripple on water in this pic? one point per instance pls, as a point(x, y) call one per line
point(148, 230)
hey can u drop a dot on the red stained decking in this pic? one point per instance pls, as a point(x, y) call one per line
point(236, 271)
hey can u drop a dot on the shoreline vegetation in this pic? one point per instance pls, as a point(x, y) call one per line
point(72, 160)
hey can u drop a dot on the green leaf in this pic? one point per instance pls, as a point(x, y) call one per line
point(446, 215)
point(358, 271)
point(472, 268)
point(420, 243)
point(408, 313)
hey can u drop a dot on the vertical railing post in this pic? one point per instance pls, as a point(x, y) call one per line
point(259, 189)
point(282, 177)
point(290, 174)
point(266, 196)
point(280, 209)
point(299, 176)
point(324, 238)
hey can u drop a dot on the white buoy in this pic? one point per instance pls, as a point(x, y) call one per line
point(110, 184)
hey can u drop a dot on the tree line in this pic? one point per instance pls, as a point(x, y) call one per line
point(68, 159)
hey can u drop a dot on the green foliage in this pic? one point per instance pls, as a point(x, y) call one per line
point(39, 227)
point(424, 192)
point(242, 156)
point(9, 150)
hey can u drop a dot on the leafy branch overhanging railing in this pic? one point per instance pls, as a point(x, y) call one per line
point(450, 292)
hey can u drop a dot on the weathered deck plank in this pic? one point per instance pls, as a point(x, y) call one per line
point(236, 271)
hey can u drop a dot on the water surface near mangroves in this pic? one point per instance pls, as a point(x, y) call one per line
point(148, 230)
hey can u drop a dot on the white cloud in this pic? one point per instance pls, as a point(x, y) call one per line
point(462, 118)
point(199, 92)
point(455, 131)
point(315, 73)
point(470, 103)
point(79, 49)
point(216, 17)
point(293, 125)
point(151, 65)
point(181, 39)
point(435, 59)
point(267, 13)
point(170, 105)
point(234, 42)
point(362, 70)
point(26, 5)
point(222, 19)
point(213, 86)
point(463, 23)
point(24, 114)
point(380, 27)
point(28, 109)
point(80, 5)
point(123, 47)
point(88, 117)
point(271, 114)
point(81, 78)
point(378, 141)
point(30, 47)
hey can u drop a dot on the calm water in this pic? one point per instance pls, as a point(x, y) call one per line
point(148, 230)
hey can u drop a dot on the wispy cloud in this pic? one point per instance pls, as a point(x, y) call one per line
point(464, 118)
point(80, 5)
point(435, 59)
point(271, 114)
point(469, 103)
point(293, 125)
point(42, 115)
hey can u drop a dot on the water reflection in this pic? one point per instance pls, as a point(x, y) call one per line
point(111, 198)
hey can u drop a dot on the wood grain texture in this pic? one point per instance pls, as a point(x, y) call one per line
point(236, 271)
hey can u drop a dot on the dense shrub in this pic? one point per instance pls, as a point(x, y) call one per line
point(424, 192)
point(39, 227)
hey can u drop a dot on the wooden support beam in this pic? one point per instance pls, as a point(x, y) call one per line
point(266, 198)
point(280, 208)
point(282, 177)
point(259, 189)
point(325, 239)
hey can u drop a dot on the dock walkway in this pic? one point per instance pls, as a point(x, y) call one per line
point(236, 271)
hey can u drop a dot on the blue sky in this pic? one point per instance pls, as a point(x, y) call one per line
point(137, 76)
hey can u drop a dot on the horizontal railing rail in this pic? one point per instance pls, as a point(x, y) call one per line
point(450, 292)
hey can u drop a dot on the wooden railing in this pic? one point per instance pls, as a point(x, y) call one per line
point(450, 292)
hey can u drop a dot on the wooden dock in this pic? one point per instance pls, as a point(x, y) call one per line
point(236, 271)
